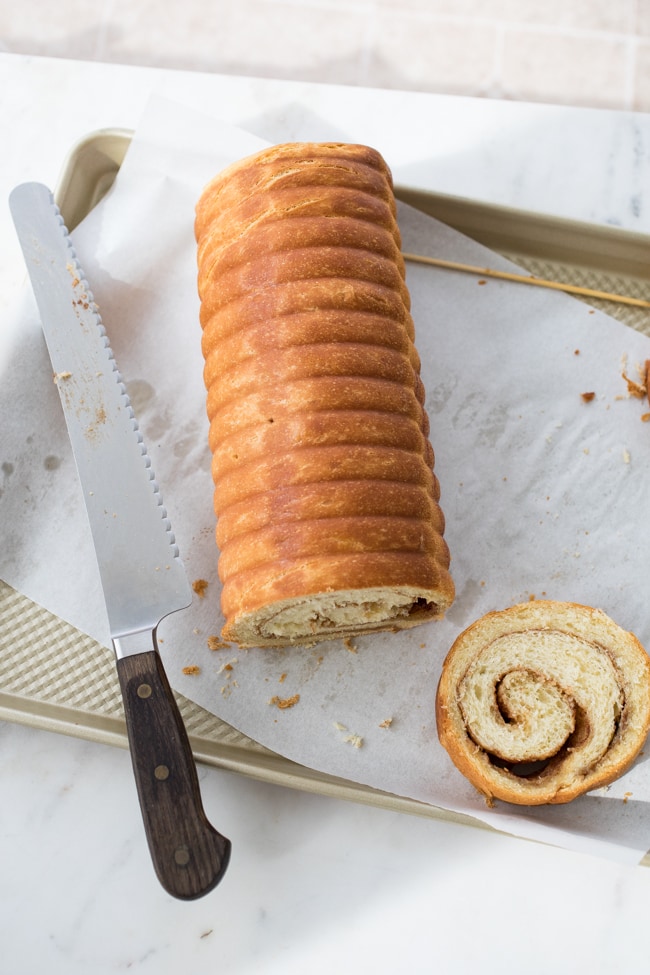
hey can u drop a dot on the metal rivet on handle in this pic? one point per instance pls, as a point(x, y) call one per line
point(144, 690)
point(182, 856)
point(161, 772)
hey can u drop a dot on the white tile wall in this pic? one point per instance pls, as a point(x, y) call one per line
point(593, 53)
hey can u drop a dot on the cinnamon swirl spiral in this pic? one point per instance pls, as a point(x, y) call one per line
point(544, 701)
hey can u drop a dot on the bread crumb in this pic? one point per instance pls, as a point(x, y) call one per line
point(576, 351)
point(61, 375)
point(627, 795)
point(227, 666)
point(199, 586)
point(587, 397)
point(626, 456)
point(216, 643)
point(634, 389)
point(645, 417)
point(284, 702)
point(386, 723)
point(355, 740)
point(282, 678)
point(349, 645)
point(351, 739)
point(191, 670)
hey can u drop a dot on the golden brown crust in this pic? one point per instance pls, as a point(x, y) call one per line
point(252, 589)
point(233, 381)
point(330, 536)
point(279, 237)
point(260, 336)
point(331, 499)
point(315, 394)
point(357, 169)
point(323, 470)
point(319, 429)
point(310, 465)
point(219, 318)
point(556, 684)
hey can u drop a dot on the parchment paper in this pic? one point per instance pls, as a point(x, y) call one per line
point(544, 495)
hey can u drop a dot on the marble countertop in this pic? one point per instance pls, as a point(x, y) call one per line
point(315, 884)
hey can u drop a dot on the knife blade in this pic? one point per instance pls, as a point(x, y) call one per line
point(143, 578)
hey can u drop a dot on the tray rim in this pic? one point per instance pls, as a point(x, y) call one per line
point(611, 248)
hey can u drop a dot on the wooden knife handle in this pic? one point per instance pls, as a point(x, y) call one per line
point(189, 856)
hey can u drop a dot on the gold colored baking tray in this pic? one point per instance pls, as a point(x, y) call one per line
point(55, 678)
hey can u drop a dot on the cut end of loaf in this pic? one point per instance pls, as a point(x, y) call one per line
point(328, 616)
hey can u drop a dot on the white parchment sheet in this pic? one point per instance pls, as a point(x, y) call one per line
point(544, 494)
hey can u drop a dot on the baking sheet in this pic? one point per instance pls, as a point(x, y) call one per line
point(503, 407)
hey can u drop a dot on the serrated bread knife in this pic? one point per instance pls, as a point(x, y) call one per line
point(142, 575)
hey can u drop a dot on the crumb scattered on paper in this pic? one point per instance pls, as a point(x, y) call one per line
point(626, 456)
point(58, 376)
point(349, 645)
point(355, 740)
point(192, 670)
point(634, 389)
point(216, 643)
point(200, 586)
point(587, 397)
point(227, 666)
point(284, 702)
point(282, 678)
point(386, 723)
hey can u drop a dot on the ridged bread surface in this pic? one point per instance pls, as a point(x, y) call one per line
point(328, 515)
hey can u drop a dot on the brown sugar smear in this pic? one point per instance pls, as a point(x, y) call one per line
point(328, 515)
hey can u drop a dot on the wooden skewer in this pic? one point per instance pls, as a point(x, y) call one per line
point(527, 279)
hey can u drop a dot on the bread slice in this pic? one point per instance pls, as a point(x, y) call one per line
point(544, 701)
point(328, 515)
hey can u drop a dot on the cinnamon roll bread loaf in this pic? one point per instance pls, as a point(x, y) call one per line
point(544, 701)
point(328, 522)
